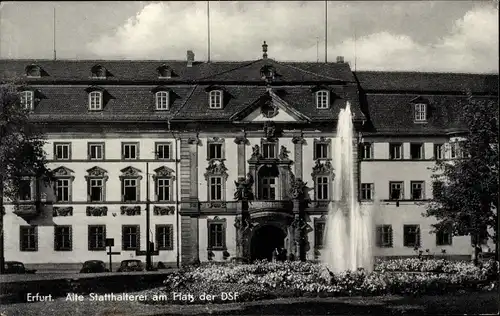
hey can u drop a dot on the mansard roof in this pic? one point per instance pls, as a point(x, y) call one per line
point(147, 70)
point(431, 82)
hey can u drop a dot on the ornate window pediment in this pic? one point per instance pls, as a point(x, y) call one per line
point(164, 172)
point(62, 172)
point(216, 168)
point(130, 172)
point(322, 168)
point(97, 172)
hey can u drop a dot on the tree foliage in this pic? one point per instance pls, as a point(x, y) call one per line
point(21, 144)
point(466, 189)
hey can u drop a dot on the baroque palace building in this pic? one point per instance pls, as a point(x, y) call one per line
point(233, 159)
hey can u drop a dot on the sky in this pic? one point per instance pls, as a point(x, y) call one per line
point(451, 36)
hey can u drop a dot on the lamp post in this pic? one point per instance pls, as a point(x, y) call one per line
point(148, 202)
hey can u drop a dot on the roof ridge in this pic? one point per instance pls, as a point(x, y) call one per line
point(229, 70)
point(185, 101)
point(425, 72)
point(305, 71)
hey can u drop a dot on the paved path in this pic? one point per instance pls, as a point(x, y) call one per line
point(9, 278)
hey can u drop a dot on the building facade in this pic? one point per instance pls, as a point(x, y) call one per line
point(232, 159)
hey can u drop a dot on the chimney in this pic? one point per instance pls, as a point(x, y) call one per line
point(340, 59)
point(190, 58)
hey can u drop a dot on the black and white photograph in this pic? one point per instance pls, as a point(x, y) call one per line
point(249, 158)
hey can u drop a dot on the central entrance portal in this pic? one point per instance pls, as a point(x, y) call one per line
point(265, 240)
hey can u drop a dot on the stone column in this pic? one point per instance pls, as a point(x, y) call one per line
point(241, 141)
point(299, 142)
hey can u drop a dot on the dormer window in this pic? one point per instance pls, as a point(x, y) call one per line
point(267, 73)
point(33, 71)
point(420, 114)
point(27, 100)
point(322, 99)
point(215, 101)
point(164, 72)
point(99, 72)
point(162, 101)
point(95, 100)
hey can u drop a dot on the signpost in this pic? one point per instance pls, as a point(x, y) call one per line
point(149, 252)
point(110, 242)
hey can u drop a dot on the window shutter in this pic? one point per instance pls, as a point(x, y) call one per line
point(138, 238)
point(88, 190)
point(123, 190)
point(55, 239)
point(123, 237)
point(170, 232)
point(379, 236)
point(103, 237)
point(419, 236)
point(224, 236)
point(137, 151)
point(210, 241)
point(89, 240)
point(70, 230)
point(35, 233)
point(156, 184)
point(391, 238)
point(138, 189)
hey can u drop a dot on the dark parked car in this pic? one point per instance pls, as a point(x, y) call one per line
point(131, 265)
point(16, 267)
point(93, 266)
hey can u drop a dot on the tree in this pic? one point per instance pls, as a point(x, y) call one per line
point(21, 151)
point(466, 189)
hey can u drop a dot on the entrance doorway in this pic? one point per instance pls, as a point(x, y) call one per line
point(265, 240)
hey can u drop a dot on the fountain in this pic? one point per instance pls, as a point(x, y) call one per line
point(348, 238)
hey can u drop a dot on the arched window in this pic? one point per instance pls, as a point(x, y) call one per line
point(95, 100)
point(215, 101)
point(322, 99)
point(162, 100)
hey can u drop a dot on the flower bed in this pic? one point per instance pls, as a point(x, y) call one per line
point(284, 279)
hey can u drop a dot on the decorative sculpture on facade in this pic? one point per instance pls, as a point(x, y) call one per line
point(244, 188)
point(62, 211)
point(298, 189)
point(216, 168)
point(270, 130)
point(284, 153)
point(97, 210)
point(130, 210)
point(256, 152)
point(164, 210)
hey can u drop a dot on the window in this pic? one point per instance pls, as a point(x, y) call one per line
point(28, 238)
point(63, 240)
point(95, 101)
point(367, 191)
point(268, 188)
point(417, 151)
point(320, 151)
point(96, 190)
point(163, 190)
point(165, 237)
point(322, 188)
point(411, 235)
point(216, 99)
point(63, 190)
point(395, 151)
point(444, 237)
point(322, 99)
point(162, 100)
point(420, 112)
point(96, 151)
point(97, 237)
point(33, 71)
point(130, 192)
point(438, 151)
point(455, 150)
point(25, 189)
point(215, 184)
point(417, 190)
point(214, 151)
point(319, 233)
point(99, 72)
point(216, 234)
point(396, 191)
point(163, 151)
point(366, 150)
point(62, 151)
point(384, 236)
point(27, 98)
point(130, 237)
point(269, 150)
point(130, 151)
